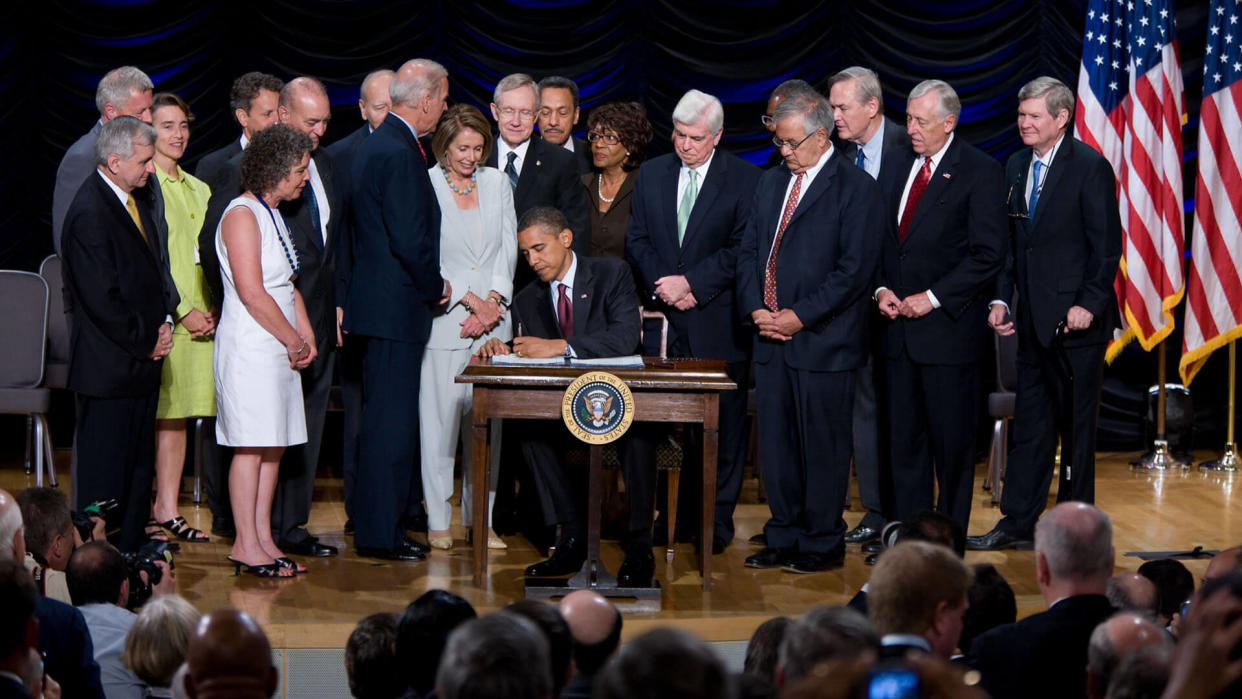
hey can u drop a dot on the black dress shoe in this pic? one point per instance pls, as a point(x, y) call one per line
point(815, 562)
point(637, 569)
point(568, 558)
point(404, 552)
point(768, 557)
point(416, 545)
point(349, 526)
point(998, 540)
point(309, 546)
point(871, 559)
point(861, 535)
point(759, 539)
point(718, 545)
point(873, 546)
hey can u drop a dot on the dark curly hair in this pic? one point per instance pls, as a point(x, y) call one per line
point(629, 121)
point(271, 155)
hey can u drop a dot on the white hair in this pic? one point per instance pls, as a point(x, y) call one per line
point(513, 82)
point(10, 528)
point(695, 106)
point(425, 81)
point(119, 136)
point(115, 86)
point(947, 100)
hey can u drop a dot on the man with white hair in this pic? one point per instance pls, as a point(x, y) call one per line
point(1073, 562)
point(373, 106)
point(688, 213)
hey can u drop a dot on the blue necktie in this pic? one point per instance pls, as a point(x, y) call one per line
point(1030, 209)
point(312, 205)
point(861, 159)
point(510, 170)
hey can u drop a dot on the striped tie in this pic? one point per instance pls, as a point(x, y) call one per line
point(769, 272)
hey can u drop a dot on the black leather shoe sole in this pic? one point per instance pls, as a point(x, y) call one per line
point(759, 539)
point(399, 554)
point(998, 540)
point(770, 558)
point(561, 563)
point(308, 547)
point(815, 563)
point(873, 546)
point(861, 535)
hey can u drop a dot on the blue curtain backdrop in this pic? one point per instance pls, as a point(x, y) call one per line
point(53, 52)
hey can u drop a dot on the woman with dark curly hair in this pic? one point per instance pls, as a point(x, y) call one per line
point(619, 133)
point(263, 340)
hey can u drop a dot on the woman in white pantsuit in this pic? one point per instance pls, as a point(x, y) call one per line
point(478, 251)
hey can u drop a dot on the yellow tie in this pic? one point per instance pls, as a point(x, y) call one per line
point(132, 207)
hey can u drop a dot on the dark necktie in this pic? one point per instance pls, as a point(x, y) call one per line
point(510, 170)
point(565, 313)
point(916, 193)
point(312, 205)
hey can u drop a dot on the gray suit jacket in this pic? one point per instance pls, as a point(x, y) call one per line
point(77, 163)
point(477, 265)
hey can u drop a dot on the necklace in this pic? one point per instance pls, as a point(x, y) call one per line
point(294, 258)
point(453, 187)
point(599, 189)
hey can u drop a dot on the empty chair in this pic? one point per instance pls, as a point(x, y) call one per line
point(23, 324)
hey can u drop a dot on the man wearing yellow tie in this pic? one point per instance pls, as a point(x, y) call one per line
point(122, 326)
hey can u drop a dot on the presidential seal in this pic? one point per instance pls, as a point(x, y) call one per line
point(597, 407)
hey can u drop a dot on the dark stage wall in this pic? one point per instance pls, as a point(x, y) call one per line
point(52, 54)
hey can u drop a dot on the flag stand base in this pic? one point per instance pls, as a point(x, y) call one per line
point(1227, 463)
point(1160, 459)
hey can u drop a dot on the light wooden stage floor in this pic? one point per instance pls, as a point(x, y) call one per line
point(1151, 511)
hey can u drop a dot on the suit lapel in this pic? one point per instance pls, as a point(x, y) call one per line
point(124, 221)
point(819, 185)
point(939, 183)
point(1017, 194)
point(583, 296)
point(530, 169)
point(708, 192)
point(668, 197)
point(1061, 161)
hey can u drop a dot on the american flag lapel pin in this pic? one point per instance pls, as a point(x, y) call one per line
point(948, 175)
point(538, 163)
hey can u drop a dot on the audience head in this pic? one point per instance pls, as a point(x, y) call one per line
point(823, 633)
point(96, 574)
point(171, 118)
point(787, 89)
point(930, 526)
point(919, 588)
point(1131, 592)
point(422, 632)
point(1113, 641)
point(419, 93)
point(515, 102)
point(803, 126)
point(159, 640)
point(254, 99)
point(1045, 110)
point(665, 663)
point(374, 100)
point(1142, 674)
point(763, 650)
point(547, 618)
point(595, 626)
point(544, 240)
point(19, 631)
point(12, 537)
point(229, 658)
point(371, 661)
point(558, 109)
point(49, 535)
point(857, 103)
point(1212, 630)
point(1174, 585)
point(1073, 551)
point(931, 115)
point(991, 603)
point(1226, 562)
point(499, 655)
point(124, 152)
point(698, 123)
point(124, 91)
point(275, 163)
point(619, 133)
point(304, 105)
point(463, 136)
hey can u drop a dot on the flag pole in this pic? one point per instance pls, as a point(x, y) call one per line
point(1228, 462)
point(1160, 458)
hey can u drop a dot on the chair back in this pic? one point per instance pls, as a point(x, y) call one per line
point(23, 325)
point(53, 273)
point(646, 315)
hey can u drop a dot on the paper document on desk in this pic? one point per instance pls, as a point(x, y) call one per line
point(514, 360)
point(632, 361)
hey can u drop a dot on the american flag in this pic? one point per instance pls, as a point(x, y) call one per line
point(1214, 291)
point(1130, 109)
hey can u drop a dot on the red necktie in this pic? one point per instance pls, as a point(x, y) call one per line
point(420, 148)
point(565, 314)
point(912, 201)
point(769, 272)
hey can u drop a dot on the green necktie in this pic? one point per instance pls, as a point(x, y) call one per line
point(687, 205)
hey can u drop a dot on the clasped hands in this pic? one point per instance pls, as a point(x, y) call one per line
point(524, 346)
point(301, 353)
point(199, 324)
point(485, 314)
point(163, 342)
point(675, 291)
point(1076, 318)
point(776, 325)
point(912, 306)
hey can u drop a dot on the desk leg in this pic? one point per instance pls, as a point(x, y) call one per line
point(480, 478)
point(711, 429)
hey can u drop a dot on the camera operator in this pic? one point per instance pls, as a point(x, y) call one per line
point(100, 585)
point(50, 539)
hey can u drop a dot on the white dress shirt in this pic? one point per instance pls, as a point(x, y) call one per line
point(683, 177)
point(935, 159)
point(502, 154)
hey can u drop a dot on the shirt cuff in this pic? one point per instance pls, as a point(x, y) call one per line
point(935, 302)
point(993, 302)
point(875, 295)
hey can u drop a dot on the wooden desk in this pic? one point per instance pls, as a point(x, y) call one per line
point(671, 390)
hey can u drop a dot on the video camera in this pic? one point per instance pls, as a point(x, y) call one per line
point(103, 509)
point(144, 560)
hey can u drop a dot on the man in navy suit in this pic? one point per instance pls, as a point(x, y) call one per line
point(939, 263)
point(689, 211)
point(881, 147)
point(579, 307)
point(807, 256)
point(1065, 248)
point(373, 105)
point(19, 631)
point(253, 98)
point(558, 115)
point(395, 283)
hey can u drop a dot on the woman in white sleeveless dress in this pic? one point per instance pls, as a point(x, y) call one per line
point(264, 338)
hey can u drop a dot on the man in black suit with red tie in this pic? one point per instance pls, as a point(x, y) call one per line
point(578, 307)
point(804, 266)
point(393, 287)
point(687, 216)
point(122, 327)
point(938, 266)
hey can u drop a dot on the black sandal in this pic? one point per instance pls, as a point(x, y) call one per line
point(181, 529)
point(286, 562)
point(264, 570)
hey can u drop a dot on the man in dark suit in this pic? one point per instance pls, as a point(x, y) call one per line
point(1065, 247)
point(558, 115)
point(579, 307)
point(688, 213)
point(803, 268)
point(312, 221)
point(122, 326)
point(1045, 654)
point(938, 266)
point(793, 87)
point(881, 147)
point(393, 286)
point(373, 105)
point(19, 630)
point(916, 598)
point(253, 99)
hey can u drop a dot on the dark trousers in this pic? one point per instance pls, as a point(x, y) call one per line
point(804, 452)
point(387, 441)
point(216, 462)
point(115, 440)
point(295, 489)
point(869, 460)
point(349, 370)
point(932, 411)
point(1039, 417)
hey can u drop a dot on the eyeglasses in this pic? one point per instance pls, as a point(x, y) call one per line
point(610, 138)
point(790, 144)
point(510, 112)
point(767, 119)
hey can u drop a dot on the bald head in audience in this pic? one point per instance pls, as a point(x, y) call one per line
point(1073, 551)
point(1132, 592)
point(12, 537)
point(1224, 563)
point(1115, 640)
point(595, 625)
point(229, 657)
